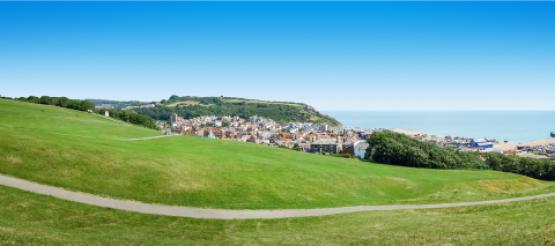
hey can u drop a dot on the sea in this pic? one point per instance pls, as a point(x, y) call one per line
point(514, 126)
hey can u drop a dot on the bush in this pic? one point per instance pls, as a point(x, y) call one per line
point(536, 168)
point(131, 116)
point(398, 149)
point(81, 105)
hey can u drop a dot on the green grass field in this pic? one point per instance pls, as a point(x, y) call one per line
point(29, 219)
point(87, 152)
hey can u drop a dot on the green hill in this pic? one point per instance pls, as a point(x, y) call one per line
point(90, 153)
point(282, 112)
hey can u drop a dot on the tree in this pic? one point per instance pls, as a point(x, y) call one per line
point(536, 168)
point(173, 98)
point(33, 99)
point(45, 100)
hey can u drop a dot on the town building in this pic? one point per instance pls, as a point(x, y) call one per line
point(324, 146)
point(360, 148)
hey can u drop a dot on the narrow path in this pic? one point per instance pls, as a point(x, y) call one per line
point(225, 214)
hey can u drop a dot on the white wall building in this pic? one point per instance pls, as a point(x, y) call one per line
point(360, 148)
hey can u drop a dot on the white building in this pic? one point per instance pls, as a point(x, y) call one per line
point(360, 148)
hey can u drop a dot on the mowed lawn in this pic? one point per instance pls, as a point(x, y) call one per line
point(29, 219)
point(87, 152)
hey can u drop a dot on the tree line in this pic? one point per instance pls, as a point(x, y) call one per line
point(81, 105)
point(87, 106)
point(398, 149)
point(131, 116)
point(536, 168)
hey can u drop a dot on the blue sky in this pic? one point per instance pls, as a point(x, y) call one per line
point(335, 56)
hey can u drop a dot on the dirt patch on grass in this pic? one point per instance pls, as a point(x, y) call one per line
point(11, 159)
point(182, 180)
point(401, 182)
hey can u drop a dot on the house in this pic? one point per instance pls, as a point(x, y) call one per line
point(216, 132)
point(323, 146)
point(360, 148)
point(348, 148)
point(173, 120)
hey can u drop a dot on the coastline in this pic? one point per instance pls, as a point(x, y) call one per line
point(499, 146)
point(535, 143)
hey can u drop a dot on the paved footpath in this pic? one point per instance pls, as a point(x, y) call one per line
point(224, 214)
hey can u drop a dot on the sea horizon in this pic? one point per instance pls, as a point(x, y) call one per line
point(514, 126)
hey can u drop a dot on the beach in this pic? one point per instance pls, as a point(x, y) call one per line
point(510, 146)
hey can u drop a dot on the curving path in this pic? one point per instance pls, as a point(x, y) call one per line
point(207, 213)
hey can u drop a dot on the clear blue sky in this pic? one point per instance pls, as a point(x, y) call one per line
point(335, 56)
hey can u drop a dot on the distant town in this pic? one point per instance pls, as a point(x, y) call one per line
point(324, 139)
point(302, 136)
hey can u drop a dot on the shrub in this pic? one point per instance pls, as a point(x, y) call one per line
point(536, 168)
point(132, 117)
point(398, 149)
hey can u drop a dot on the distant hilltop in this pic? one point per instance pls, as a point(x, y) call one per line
point(191, 106)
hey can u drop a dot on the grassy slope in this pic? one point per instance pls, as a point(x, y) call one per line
point(31, 219)
point(81, 151)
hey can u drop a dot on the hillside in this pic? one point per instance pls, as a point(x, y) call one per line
point(282, 112)
point(90, 153)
